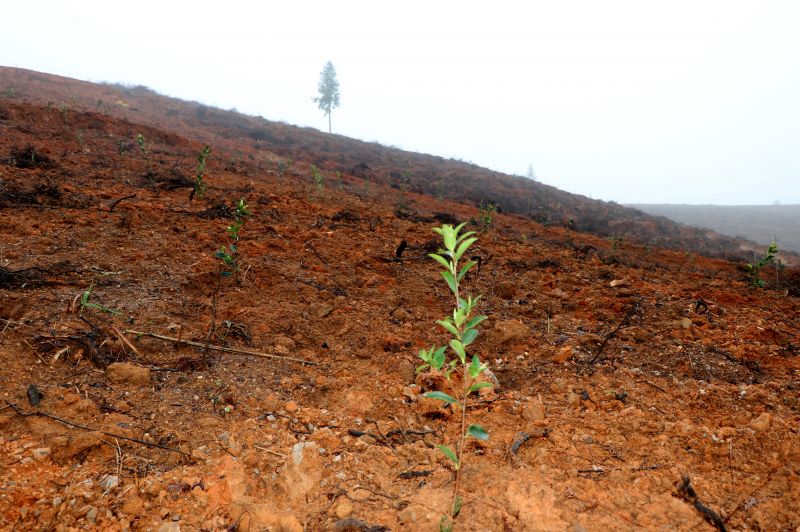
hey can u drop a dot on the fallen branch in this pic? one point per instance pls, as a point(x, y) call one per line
point(220, 348)
point(117, 201)
point(687, 493)
point(610, 335)
point(90, 429)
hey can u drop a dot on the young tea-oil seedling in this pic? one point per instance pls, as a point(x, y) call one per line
point(462, 328)
point(199, 184)
point(319, 179)
point(754, 270)
point(485, 213)
point(146, 154)
point(84, 303)
point(229, 254)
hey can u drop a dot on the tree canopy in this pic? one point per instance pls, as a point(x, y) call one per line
point(328, 87)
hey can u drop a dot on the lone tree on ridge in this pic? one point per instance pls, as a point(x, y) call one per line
point(328, 91)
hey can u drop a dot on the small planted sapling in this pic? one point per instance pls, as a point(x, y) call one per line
point(319, 179)
point(146, 154)
point(199, 184)
point(461, 325)
point(754, 270)
point(228, 254)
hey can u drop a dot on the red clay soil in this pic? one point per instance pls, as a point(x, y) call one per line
point(620, 368)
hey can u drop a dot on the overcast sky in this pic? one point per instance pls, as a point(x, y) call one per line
point(679, 101)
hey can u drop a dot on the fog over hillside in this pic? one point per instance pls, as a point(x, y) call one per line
point(760, 223)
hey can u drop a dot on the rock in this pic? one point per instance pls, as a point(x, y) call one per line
point(563, 355)
point(109, 482)
point(359, 494)
point(344, 509)
point(618, 282)
point(411, 514)
point(83, 442)
point(91, 515)
point(685, 323)
point(291, 407)
point(320, 310)
point(326, 438)
point(125, 373)
point(40, 453)
point(303, 471)
point(169, 527)
point(762, 422)
point(290, 523)
point(533, 412)
point(510, 332)
point(407, 371)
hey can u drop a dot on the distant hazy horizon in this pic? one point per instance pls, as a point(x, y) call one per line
point(627, 101)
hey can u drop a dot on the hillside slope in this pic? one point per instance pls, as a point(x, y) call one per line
point(405, 171)
point(620, 367)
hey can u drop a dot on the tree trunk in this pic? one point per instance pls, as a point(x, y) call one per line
point(329, 122)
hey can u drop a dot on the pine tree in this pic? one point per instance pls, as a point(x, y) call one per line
point(328, 91)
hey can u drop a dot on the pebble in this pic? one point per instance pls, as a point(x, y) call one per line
point(291, 407)
point(762, 422)
point(344, 509)
point(40, 453)
point(533, 412)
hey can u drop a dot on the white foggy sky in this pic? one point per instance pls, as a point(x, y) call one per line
point(679, 101)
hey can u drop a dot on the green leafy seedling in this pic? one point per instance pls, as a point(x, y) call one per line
point(199, 184)
point(461, 326)
point(754, 270)
point(229, 253)
point(84, 302)
point(319, 179)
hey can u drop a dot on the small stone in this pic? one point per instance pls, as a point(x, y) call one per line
point(176, 517)
point(685, 323)
point(109, 482)
point(359, 494)
point(126, 373)
point(91, 515)
point(40, 453)
point(290, 523)
point(291, 407)
point(511, 332)
point(563, 355)
point(762, 422)
point(344, 509)
point(533, 412)
point(618, 282)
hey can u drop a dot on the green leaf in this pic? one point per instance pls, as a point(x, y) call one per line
point(469, 336)
point(441, 396)
point(422, 367)
point(458, 347)
point(464, 246)
point(448, 326)
point(441, 260)
point(448, 452)
point(457, 506)
point(464, 269)
point(477, 432)
point(478, 385)
point(451, 282)
point(475, 367)
point(475, 321)
point(459, 227)
point(449, 237)
point(438, 357)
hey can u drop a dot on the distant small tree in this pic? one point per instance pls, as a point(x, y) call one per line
point(328, 88)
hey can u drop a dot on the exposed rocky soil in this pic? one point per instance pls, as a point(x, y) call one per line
point(621, 368)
